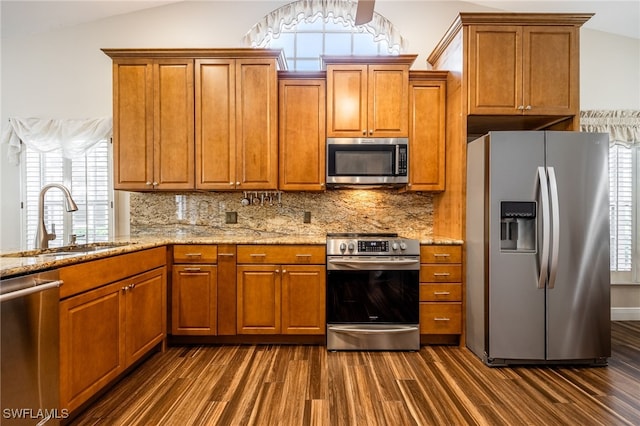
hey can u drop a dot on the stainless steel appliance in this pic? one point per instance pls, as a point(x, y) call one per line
point(372, 292)
point(367, 161)
point(538, 248)
point(29, 356)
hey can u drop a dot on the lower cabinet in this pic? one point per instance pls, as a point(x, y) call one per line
point(441, 290)
point(105, 330)
point(281, 290)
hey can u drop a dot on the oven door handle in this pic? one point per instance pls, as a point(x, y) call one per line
point(351, 330)
point(356, 263)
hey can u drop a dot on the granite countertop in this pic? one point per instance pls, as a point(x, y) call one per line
point(19, 263)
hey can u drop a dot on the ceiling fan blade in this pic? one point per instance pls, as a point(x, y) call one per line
point(364, 11)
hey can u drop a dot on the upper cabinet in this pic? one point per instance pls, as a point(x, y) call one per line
point(523, 69)
point(368, 96)
point(189, 119)
point(302, 105)
point(236, 124)
point(153, 124)
point(427, 107)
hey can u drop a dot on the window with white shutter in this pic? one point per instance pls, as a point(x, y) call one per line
point(89, 179)
point(623, 196)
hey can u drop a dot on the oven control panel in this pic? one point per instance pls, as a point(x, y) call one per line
point(373, 246)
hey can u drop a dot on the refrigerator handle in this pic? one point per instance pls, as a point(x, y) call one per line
point(544, 196)
point(555, 226)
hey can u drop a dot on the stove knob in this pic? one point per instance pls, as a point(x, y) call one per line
point(351, 246)
point(403, 246)
point(343, 246)
point(394, 246)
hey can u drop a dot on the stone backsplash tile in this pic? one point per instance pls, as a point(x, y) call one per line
point(331, 211)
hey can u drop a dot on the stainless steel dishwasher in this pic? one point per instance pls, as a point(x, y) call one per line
point(29, 350)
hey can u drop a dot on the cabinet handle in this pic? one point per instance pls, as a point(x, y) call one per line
point(226, 254)
point(258, 255)
point(303, 255)
point(441, 254)
point(193, 254)
point(124, 289)
point(441, 293)
point(192, 269)
point(441, 319)
point(441, 274)
point(132, 286)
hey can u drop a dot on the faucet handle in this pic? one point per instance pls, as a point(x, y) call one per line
point(52, 235)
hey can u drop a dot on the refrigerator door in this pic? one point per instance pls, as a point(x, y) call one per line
point(578, 300)
point(516, 306)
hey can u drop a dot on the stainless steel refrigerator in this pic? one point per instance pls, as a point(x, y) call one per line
point(537, 234)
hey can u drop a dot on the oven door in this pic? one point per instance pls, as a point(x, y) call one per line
point(373, 309)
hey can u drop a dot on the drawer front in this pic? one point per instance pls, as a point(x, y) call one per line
point(195, 253)
point(440, 318)
point(282, 254)
point(440, 254)
point(440, 292)
point(440, 273)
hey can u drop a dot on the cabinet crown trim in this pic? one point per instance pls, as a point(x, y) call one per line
point(368, 60)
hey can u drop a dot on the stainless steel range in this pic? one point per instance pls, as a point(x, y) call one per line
point(372, 292)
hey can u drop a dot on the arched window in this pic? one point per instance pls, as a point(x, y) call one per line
point(307, 29)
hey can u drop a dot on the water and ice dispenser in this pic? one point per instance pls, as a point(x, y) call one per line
point(518, 226)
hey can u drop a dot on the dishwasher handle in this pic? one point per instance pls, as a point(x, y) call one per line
point(30, 290)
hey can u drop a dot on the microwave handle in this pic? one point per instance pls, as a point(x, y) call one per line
point(397, 173)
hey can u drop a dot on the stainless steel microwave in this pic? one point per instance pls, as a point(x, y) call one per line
point(367, 161)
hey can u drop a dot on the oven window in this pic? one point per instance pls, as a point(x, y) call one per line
point(373, 297)
point(369, 160)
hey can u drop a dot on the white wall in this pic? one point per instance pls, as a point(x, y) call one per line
point(64, 74)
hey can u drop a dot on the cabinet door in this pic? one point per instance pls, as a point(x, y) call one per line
point(256, 124)
point(388, 101)
point(215, 124)
point(227, 299)
point(173, 124)
point(551, 67)
point(258, 299)
point(302, 141)
point(133, 124)
point(427, 136)
point(146, 312)
point(303, 299)
point(91, 349)
point(194, 300)
point(495, 69)
point(347, 100)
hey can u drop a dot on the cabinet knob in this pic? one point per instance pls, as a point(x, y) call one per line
point(231, 183)
point(364, 133)
point(147, 183)
point(284, 271)
point(237, 183)
point(528, 107)
point(125, 288)
point(370, 132)
point(520, 107)
point(277, 271)
point(155, 183)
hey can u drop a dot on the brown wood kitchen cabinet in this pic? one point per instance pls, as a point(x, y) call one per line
point(237, 122)
point(368, 96)
point(112, 312)
point(281, 289)
point(153, 124)
point(302, 141)
point(440, 293)
point(194, 290)
point(427, 106)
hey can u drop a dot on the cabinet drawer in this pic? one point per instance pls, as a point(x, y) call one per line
point(195, 253)
point(440, 254)
point(440, 292)
point(440, 273)
point(440, 318)
point(281, 254)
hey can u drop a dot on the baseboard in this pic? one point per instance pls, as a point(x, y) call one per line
point(625, 314)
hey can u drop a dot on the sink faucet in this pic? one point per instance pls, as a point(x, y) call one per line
point(42, 236)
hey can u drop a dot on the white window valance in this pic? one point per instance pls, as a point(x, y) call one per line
point(623, 126)
point(73, 137)
point(309, 10)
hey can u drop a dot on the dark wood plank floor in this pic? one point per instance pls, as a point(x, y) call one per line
point(306, 385)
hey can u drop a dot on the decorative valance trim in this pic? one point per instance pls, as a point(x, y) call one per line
point(623, 126)
point(289, 15)
point(73, 137)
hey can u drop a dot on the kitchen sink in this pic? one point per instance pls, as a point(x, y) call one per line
point(68, 250)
